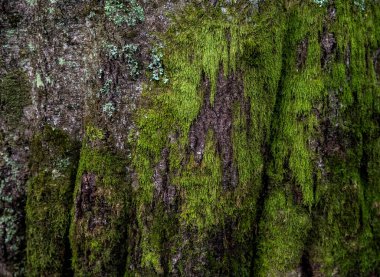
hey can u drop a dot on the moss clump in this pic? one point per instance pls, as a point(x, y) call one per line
point(283, 231)
point(99, 217)
point(370, 239)
point(285, 222)
point(49, 201)
point(313, 69)
point(14, 96)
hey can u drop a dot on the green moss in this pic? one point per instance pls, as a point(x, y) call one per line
point(335, 189)
point(370, 238)
point(49, 199)
point(306, 186)
point(285, 223)
point(344, 237)
point(93, 133)
point(204, 202)
point(301, 89)
point(283, 231)
point(99, 216)
point(201, 43)
point(14, 96)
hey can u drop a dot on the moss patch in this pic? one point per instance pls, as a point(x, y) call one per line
point(283, 231)
point(99, 217)
point(344, 219)
point(313, 69)
point(49, 200)
point(216, 174)
point(14, 96)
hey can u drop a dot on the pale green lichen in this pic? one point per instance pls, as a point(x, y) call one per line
point(31, 2)
point(38, 81)
point(120, 12)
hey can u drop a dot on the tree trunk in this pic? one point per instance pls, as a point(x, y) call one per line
point(190, 138)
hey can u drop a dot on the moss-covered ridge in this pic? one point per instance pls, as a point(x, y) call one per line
point(345, 236)
point(49, 200)
point(321, 138)
point(99, 215)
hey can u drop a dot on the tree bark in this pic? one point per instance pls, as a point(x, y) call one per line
point(190, 138)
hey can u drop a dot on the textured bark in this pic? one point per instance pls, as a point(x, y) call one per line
point(189, 138)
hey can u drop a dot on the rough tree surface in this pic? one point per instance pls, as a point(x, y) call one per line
point(189, 138)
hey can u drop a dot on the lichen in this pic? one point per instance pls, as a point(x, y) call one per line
point(12, 233)
point(119, 12)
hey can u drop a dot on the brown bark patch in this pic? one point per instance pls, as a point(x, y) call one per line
point(332, 142)
point(302, 53)
point(90, 202)
point(297, 195)
point(86, 197)
point(331, 14)
point(217, 117)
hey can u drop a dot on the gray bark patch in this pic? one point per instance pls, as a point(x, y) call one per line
point(163, 190)
point(328, 45)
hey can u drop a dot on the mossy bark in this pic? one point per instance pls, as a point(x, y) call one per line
point(49, 201)
point(101, 206)
point(251, 147)
point(266, 182)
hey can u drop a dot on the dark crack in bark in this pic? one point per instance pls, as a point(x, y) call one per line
point(347, 60)
point(86, 197)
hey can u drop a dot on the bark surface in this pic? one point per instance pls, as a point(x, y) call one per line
point(189, 138)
